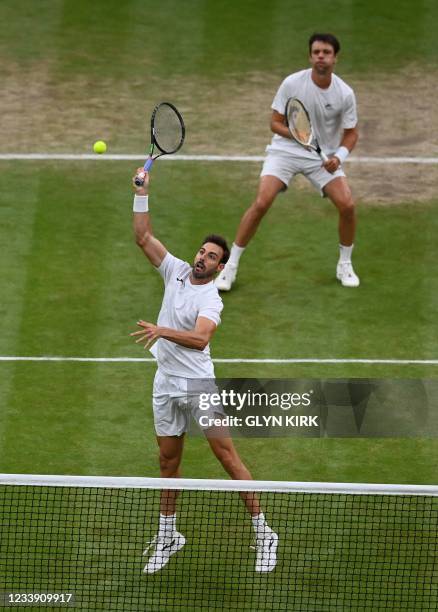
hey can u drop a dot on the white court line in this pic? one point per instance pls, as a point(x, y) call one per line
point(225, 360)
point(208, 158)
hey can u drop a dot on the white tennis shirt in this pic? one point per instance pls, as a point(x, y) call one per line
point(182, 304)
point(331, 111)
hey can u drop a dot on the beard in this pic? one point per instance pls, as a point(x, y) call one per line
point(200, 272)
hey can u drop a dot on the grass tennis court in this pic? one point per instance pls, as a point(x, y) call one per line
point(77, 285)
point(73, 283)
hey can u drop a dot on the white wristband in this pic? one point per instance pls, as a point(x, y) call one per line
point(141, 204)
point(342, 153)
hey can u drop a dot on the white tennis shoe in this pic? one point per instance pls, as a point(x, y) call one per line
point(266, 548)
point(346, 274)
point(165, 547)
point(226, 278)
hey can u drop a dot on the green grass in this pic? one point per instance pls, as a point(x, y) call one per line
point(75, 283)
point(97, 419)
point(74, 72)
point(205, 37)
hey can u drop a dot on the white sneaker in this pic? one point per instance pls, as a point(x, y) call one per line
point(165, 547)
point(226, 278)
point(346, 274)
point(266, 548)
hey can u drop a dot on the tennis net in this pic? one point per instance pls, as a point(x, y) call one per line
point(340, 546)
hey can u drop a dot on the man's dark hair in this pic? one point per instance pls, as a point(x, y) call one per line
point(327, 38)
point(215, 239)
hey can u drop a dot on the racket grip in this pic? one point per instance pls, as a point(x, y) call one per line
point(323, 156)
point(148, 164)
point(139, 179)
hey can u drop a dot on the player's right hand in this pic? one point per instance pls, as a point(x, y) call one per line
point(332, 164)
point(143, 189)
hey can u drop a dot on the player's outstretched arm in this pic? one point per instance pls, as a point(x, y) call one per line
point(151, 247)
point(196, 338)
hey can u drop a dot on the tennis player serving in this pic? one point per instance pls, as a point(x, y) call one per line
point(180, 340)
point(331, 107)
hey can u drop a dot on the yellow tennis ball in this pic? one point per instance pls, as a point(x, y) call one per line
point(99, 146)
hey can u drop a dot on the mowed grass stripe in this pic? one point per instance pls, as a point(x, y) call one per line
point(16, 216)
point(65, 290)
point(102, 425)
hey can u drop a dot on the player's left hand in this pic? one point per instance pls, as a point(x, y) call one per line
point(148, 332)
point(332, 164)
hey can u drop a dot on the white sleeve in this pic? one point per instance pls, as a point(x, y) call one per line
point(169, 266)
point(349, 114)
point(281, 97)
point(212, 310)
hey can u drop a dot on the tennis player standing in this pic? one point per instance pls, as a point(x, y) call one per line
point(331, 105)
point(188, 318)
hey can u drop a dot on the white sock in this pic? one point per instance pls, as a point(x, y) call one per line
point(345, 253)
point(167, 525)
point(259, 524)
point(235, 254)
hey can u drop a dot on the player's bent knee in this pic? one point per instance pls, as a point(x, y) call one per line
point(168, 463)
point(347, 207)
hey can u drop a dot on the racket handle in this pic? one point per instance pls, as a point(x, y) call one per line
point(139, 179)
point(148, 164)
point(323, 156)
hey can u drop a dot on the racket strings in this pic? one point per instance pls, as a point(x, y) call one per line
point(299, 123)
point(168, 129)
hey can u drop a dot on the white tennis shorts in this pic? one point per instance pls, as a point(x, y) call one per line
point(285, 166)
point(175, 407)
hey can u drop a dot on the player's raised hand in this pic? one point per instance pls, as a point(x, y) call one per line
point(142, 189)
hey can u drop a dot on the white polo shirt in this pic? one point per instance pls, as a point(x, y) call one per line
point(182, 304)
point(331, 111)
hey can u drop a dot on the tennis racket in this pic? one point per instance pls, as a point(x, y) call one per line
point(300, 126)
point(167, 134)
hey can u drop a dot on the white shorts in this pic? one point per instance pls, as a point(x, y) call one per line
point(285, 166)
point(175, 407)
